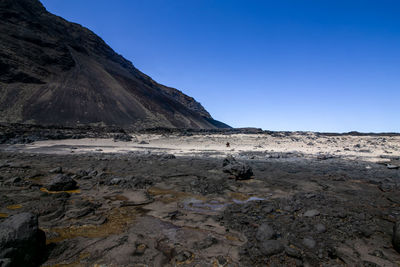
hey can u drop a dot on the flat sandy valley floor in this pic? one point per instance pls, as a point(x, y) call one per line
point(167, 200)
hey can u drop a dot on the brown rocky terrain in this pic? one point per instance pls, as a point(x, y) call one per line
point(56, 72)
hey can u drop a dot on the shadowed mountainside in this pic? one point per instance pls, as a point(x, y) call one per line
point(56, 72)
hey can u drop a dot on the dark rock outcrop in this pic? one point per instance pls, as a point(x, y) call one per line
point(56, 72)
point(241, 171)
point(62, 182)
point(22, 243)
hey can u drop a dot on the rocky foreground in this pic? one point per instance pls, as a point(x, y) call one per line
point(176, 199)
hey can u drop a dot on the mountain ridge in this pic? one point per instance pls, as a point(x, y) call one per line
point(58, 72)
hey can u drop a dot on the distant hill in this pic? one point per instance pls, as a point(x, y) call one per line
point(56, 72)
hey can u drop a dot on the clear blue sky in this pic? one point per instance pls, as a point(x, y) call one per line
point(321, 65)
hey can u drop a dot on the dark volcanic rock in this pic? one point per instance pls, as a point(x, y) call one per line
point(5, 262)
point(392, 167)
point(122, 137)
point(309, 242)
point(56, 170)
point(60, 73)
point(265, 232)
point(320, 228)
point(241, 171)
point(21, 241)
point(62, 182)
point(396, 236)
point(205, 186)
point(311, 213)
point(271, 247)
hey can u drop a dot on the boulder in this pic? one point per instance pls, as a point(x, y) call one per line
point(241, 171)
point(22, 243)
point(62, 182)
point(5, 262)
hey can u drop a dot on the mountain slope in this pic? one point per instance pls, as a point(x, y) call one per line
point(56, 72)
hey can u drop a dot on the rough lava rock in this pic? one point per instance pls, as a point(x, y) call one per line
point(396, 236)
point(22, 243)
point(5, 262)
point(62, 182)
point(241, 171)
point(265, 232)
point(123, 137)
point(311, 213)
point(271, 247)
point(56, 170)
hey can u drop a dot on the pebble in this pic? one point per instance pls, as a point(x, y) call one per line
point(115, 181)
point(183, 256)
point(309, 242)
point(56, 170)
point(140, 249)
point(265, 232)
point(271, 247)
point(293, 252)
point(310, 195)
point(392, 167)
point(311, 213)
point(268, 209)
point(320, 228)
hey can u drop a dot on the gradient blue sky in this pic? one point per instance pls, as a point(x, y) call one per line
point(320, 65)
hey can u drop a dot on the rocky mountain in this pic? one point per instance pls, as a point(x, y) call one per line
point(56, 72)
